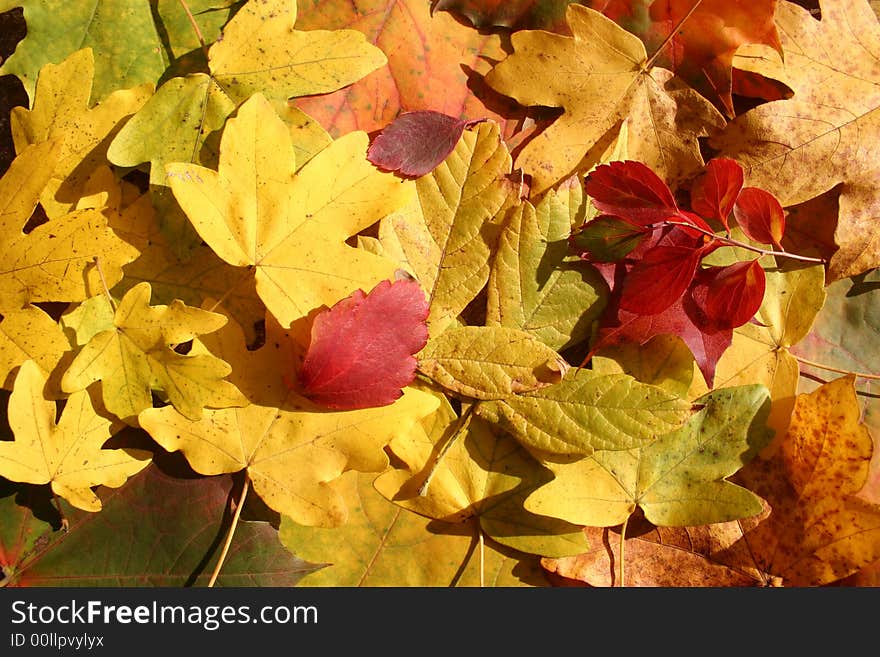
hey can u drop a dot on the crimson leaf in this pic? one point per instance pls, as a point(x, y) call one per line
point(730, 296)
point(714, 193)
point(631, 190)
point(362, 349)
point(760, 215)
point(659, 278)
point(414, 143)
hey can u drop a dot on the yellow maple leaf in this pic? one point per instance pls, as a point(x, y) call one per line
point(56, 261)
point(31, 334)
point(61, 109)
point(600, 76)
point(816, 529)
point(803, 146)
point(289, 225)
point(69, 454)
point(293, 451)
point(136, 355)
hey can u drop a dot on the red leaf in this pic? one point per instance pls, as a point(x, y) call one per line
point(730, 296)
point(632, 191)
point(657, 280)
point(714, 193)
point(760, 215)
point(414, 143)
point(362, 349)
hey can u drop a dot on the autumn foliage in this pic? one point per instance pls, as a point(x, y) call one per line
point(441, 293)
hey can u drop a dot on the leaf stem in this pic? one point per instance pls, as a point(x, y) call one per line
point(104, 283)
point(195, 26)
point(744, 245)
point(620, 557)
point(648, 64)
point(65, 524)
point(231, 532)
point(463, 422)
point(861, 375)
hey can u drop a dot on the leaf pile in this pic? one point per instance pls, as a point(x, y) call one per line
point(461, 293)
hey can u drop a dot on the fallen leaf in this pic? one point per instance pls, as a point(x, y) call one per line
point(362, 349)
point(60, 110)
point(678, 479)
point(535, 285)
point(598, 77)
point(158, 530)
point(447, 234)
point(513, 14)
point(490, 362)
point(281, 432)
point(817, 531)
point(664, 361)
point(587, 411)
point(31, 334)
point(434, 63)
point(385, 545)
point(414, 143)
point(136, 355)
point(760, 216)
point(714, 192)
point(802, 147)
point(133, 44)
point(56, 261)
point(289, 226)
point(68, 455)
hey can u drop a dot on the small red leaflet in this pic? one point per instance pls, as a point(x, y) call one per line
point(416, 142)
point(362, 349)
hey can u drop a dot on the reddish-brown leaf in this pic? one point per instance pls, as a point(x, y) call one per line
point(362, 349)
point(434, 62)
point(414, 143)
point(714, 192)
point(514, 14)
point(760, 215)
point(730, 296)
point(707, 34)
point(659, 278)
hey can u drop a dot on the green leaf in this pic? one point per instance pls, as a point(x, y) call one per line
point(484, 362)
point(535, 285)
point(158, 530)
point(677, 480)
point(587, 411)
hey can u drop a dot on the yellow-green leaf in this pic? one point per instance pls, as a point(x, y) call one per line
point(679, 479)
point(490, 362)
point(447, 235)
point(68, 455)
point(137, 356)
point(587, 411)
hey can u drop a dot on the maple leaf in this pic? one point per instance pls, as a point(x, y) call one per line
point(290, 63)
point(483, 475)
point(289, 226)
point(61, 111)
point(800, 147)
point(599, 76)
point(383, 544)
point(447, 233)
point(534, 284)
point(31, 334)
point(281, 432)
point(136, 355)
point(655, 556)
point(68, 455)
point(587, 411)
point(361, 349)
point(678, 479)
point(56, 261)
point(817, 530)
point(133, 45)
point(434, 63)
point(166, 521)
